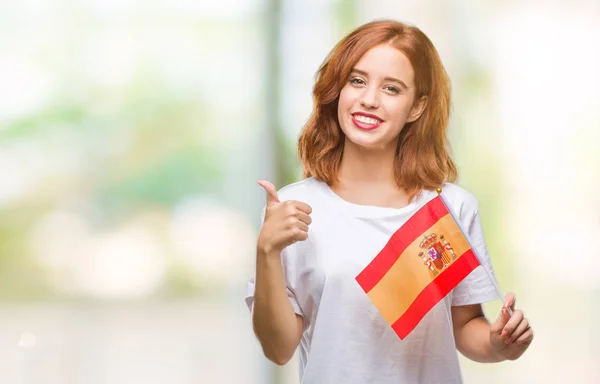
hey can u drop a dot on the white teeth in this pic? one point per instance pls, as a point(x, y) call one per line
point(365, 119)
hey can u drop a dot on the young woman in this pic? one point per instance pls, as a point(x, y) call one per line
point(374, 150)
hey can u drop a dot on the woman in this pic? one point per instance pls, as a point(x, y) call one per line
point(374, 150)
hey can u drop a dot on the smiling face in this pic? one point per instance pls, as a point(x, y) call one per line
point(378, 99)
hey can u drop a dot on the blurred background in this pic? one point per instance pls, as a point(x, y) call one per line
point(132, 133)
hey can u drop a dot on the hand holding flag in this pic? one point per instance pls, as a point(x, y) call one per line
point(510, 335)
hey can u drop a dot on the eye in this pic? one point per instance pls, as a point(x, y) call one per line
point(356, 81)
point(392, 89)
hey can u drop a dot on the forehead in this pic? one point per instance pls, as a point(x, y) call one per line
point(386, 61)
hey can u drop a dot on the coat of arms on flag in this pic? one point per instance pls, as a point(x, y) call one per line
point(420, 264)
point(438, 253)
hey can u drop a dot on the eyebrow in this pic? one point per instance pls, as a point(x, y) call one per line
point(388, 78)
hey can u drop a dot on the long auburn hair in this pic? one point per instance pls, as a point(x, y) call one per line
point(422, 158)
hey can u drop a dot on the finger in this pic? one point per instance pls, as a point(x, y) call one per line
point(512, 323)
point(510, 300)
point(303, 226)
point(300, 235)
point(302, 207)
point(272, 198)
point(304, 218)
point(521, 328)
point(499, 324)
point(526, 337)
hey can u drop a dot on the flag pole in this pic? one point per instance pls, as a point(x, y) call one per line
point(466, 236)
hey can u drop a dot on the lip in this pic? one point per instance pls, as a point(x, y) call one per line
point(363, 126)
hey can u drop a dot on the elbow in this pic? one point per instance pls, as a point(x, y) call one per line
point(278, 346)
point(275, 350)
point(277, 356)
point(279, 359)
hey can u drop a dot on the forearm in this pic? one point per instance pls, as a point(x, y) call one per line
point(473, 341)
point(274, 320)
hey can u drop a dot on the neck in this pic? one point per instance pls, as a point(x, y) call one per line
point(360, 165)
point(366, 177)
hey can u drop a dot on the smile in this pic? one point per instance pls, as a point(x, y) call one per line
point(365, 121)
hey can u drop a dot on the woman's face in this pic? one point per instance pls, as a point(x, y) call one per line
point(378, 99)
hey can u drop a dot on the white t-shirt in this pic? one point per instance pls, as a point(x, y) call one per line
point(345, 339)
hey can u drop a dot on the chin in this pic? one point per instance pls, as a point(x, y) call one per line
point(365, 142)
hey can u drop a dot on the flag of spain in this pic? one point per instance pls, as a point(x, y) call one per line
point(420, 264)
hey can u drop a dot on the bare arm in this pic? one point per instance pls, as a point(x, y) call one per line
point(472, 334)
point(276, 325)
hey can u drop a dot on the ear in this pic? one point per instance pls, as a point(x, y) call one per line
point(417, 109)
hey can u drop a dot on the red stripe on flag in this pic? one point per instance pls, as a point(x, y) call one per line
point(414, 227)
point(434, 292)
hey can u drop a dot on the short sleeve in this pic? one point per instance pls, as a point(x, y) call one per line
point(290, 293)
point(477, 287)
point(288, 270)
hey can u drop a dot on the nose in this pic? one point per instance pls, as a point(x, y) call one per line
point(370, 98)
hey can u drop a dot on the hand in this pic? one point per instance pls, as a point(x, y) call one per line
point(285, 222)
point(510, 336)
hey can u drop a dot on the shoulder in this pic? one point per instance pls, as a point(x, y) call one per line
point(462, 202)
point(302, 190)
point(459, 196)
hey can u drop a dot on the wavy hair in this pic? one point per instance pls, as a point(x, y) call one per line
point(422, 158)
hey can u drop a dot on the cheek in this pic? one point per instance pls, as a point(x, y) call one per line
point(345, 105)
point(345, 100)
point(400, 109)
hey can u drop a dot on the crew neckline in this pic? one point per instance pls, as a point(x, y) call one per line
point(368, 211)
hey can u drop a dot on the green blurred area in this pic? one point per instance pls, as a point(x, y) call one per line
point(144, 145)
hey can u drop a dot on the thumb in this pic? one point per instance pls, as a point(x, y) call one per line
point(271, 192)
point(509, 302)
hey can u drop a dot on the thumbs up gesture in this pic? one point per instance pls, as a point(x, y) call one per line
point(510, 336)
point(285, 222)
